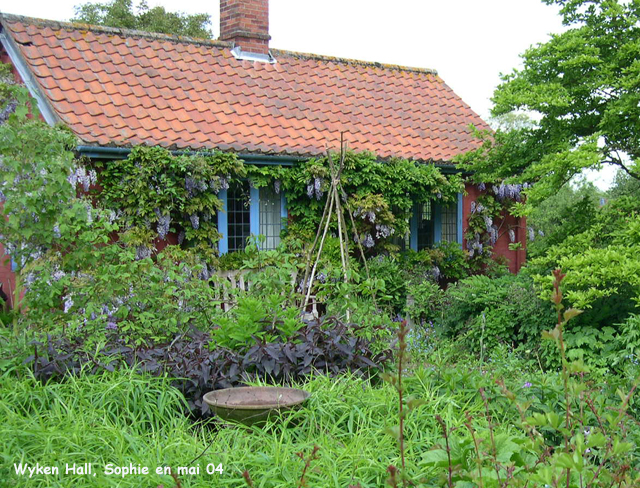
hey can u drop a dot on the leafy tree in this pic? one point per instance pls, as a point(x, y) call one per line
point(568, 212)
point(601, 261)
point(582, 88)
point(122, 13)
point(624, 185)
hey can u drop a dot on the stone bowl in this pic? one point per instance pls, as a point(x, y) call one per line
point(254, 404)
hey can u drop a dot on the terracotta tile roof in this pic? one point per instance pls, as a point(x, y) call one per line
point(126, 88)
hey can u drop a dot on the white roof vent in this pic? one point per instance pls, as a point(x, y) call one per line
point(238, 53)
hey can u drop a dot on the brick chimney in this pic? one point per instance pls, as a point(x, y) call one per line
point(246, 23)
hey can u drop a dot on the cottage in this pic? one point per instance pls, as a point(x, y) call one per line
point(116, 89)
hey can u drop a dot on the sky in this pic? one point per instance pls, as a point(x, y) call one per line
point(469, 42)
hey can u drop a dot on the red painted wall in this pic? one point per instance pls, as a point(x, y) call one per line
point(515, 259)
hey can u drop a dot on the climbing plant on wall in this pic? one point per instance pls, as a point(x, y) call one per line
point(155, 193)
point(488, 219)
point(379, 194)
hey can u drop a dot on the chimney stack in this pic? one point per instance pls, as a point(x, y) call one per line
point(246, 23)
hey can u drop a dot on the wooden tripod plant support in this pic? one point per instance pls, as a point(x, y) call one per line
point(333, 204)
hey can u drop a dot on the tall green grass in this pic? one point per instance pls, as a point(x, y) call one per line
point(124, 418)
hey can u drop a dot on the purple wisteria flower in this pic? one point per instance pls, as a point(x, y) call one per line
point(58, 275)
point(8, 109)
point(482, 187)
point(383, 231)
point(527, 385)
point(317, 186)
point(512, 235)
point(190, 185)
point(488, 222)
point(368, 241)
point(276, 186)
point(195, 221)
point(164, 221)
point(142, 252)
point(68, 303)
point(224, 182)
point(493, 235)
point(435, 271)
point(204, 274)
point(532, 234)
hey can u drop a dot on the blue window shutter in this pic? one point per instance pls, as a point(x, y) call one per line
point(254, 211)
point(223, 244)
point(413, 226)
point(459, 220)
point(283, 207)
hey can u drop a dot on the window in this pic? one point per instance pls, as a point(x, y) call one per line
point(270, 217)
point(449, 214)
point(425, 225)
point(402, 241)
point(433, 222)
point(238, 211)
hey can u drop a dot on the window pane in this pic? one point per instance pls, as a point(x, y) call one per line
point(450, 222)
point(238, 216)
point(425, 225)
point(270, 217)
point(402, 241)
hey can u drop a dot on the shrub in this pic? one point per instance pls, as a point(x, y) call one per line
point(426, 300)
point(141, 300)
point(488, 311)
point(387, 269)
point(196, 366)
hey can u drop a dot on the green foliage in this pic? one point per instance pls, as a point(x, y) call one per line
point(388, 269)
point(568, 212)
point(176, 193)
point(465, 423)
point(628, 340)
point(445, 261)
point(602, 261)
point(624, 186)
point(380, 195)
point(140, 301)
point(582, 85)
point(269, 309)
point(426, 302)
point(123, 14)
point(266, 313)
point(488, 311)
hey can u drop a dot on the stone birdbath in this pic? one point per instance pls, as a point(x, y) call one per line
point(254, 404)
